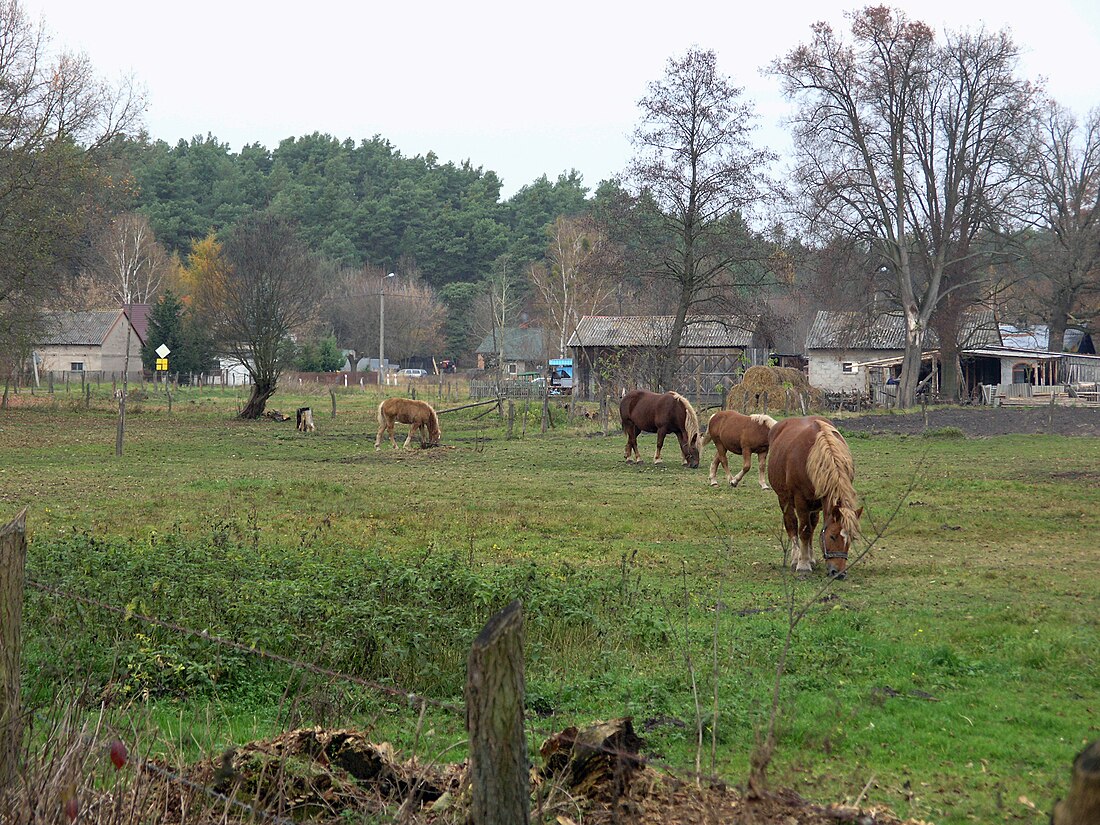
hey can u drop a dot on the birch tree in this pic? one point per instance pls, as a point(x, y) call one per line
point(580, 276)
point(130, 261)
point(910, 148)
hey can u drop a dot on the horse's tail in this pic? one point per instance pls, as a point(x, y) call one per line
point(831, 471)
point(381, 414)
point(766, 420)
point(691, 420)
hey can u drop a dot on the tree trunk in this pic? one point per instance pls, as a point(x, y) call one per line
point(256, 403)
point(910, 365)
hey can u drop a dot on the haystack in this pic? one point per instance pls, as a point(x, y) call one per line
point(779, 388)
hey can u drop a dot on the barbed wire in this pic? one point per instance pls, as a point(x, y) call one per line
point(413, 698)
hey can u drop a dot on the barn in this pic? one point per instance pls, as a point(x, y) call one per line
point(617, 352)
point(90, 342)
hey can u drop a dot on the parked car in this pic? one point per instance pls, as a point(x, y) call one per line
point(411, 372)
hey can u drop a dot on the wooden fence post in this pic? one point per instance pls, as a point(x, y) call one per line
point(500, 793)
point(511, 417)
point(13, 557)
point(332, 394)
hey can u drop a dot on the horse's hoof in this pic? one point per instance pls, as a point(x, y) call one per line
point(713, 483)
point(658, 461)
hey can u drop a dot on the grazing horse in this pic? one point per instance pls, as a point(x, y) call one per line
point(811, 469)
point(744, 434)
point(642, 411)
point(418, 414)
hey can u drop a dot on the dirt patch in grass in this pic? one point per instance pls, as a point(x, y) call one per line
point(982, 421)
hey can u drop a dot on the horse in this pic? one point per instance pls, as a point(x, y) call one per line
point(418, 414)
point(811, 470)
point(642, 411)
point(737, 433)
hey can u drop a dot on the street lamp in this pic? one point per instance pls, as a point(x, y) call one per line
point(382, 326)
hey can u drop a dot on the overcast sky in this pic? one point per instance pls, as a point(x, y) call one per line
point(521, 88)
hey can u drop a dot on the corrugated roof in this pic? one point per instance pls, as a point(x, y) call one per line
point(654, 331)
point(885, 331)
point(519, 344)
point(78, 329)
point(1038, 337)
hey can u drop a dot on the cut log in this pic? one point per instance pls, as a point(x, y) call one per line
point(1082, 805)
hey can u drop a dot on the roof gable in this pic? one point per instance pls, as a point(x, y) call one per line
point(655, 331)
point(79, 329)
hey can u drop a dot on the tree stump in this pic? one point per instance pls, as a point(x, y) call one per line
point(500, 792)
point(1082, 805)
point(600, 755)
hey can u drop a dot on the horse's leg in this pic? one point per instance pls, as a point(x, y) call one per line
point(762, 466)
point(814, 514)
point(390, 425)
point(746, 462)
point(378, 438)
point(719, 456)
point(409, 437)
point(661, 431)
point(790, 523)
point(631, 441)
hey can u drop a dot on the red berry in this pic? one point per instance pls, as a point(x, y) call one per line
point(118, 753)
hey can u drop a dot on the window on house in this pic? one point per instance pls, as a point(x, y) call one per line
point(512, 369)
point(849, 367)
point(1021, 374)
point(76, 366)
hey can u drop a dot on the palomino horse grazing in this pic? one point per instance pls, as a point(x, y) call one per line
point(642, 411)
point(811, 469)
point(418, 414)
point(744, 434)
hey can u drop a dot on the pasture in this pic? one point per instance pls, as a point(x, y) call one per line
point(952, 676)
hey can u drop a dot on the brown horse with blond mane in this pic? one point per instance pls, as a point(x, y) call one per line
point(811, 469)
point(419, 415)
point(730, 431)
point(642, 411)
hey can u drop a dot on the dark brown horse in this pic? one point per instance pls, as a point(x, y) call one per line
point(742, 434)
point(811, 469)
point(642, 411)
point(418, 414)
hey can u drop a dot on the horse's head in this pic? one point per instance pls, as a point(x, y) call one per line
point(838, 528)
point(691, 451)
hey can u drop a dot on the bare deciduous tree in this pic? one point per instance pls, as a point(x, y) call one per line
point(130, 261)
point(57, 121)
point(909, 148)
point(266, 285)
point(1065, 208)
point(583, 273)
point(695, 160)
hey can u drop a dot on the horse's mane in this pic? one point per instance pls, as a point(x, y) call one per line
point(766, 420)
point(691, 420)
point(831, 470)
point(434, 425)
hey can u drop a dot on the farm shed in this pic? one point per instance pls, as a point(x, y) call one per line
point(524, 350)
point(624, 350)
point(852, 351)
point(92, 341)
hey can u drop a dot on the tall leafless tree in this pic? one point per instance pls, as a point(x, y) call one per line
point(130, 261)
point(695, 160)
point(1065, 209)
point(267, 286)
point(57, 121)
point(909, 147)
point(582, 271)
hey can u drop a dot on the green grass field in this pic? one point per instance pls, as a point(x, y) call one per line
point(955, 670)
